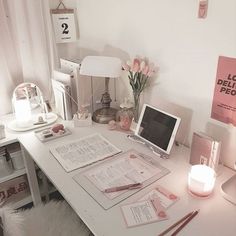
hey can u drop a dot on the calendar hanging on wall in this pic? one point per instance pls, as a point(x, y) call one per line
point(64, 24)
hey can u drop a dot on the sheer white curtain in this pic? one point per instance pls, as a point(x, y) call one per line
point(10, 66)
point(28, 51)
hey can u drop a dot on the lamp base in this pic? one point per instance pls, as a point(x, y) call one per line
point(104, 115)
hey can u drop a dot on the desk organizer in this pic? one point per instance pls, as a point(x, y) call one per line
point(82, 122)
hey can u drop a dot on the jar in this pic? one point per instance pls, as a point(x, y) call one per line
point(5, 163)
point(125, 115)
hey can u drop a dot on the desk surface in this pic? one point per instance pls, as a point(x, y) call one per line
point(217, 216)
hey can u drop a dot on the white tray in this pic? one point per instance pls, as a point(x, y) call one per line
point(39, 134)
point(51, 118)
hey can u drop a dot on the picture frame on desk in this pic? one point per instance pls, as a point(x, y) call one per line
point(204, 150)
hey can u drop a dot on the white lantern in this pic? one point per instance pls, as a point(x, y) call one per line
point(22, 112)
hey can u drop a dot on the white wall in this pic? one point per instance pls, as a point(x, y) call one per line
point(168, 32)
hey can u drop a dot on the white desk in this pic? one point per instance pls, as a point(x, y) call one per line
point(217, 216)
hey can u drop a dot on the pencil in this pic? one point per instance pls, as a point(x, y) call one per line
point(185, 223)
point(177, 223)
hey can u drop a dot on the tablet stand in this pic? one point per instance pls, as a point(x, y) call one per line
point(155, 150)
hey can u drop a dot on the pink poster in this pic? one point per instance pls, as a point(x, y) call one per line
point(224, 100)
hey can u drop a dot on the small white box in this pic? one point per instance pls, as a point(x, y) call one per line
point(82, 122)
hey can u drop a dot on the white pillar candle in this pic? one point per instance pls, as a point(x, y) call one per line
point(201, 180)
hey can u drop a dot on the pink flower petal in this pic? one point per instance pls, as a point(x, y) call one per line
point(145, 70)
point(126, 67)
point(136, 65)
point(150, 73)
point(142, 65)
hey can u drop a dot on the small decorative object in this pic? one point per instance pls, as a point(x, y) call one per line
point(57, 128)
point(201, 180)
point(202, 10)
point(40, 121)
point(112, 125)
point(139, 73)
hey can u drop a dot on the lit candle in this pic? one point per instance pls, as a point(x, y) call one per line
point(201, 180)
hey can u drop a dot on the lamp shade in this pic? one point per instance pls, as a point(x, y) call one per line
point(101, 66)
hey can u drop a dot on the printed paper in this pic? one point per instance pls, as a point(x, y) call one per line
point(143, 212)
point(165, 197)
point(84, 151)
point(128, 170)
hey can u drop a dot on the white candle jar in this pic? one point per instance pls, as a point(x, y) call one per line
point(201, 180)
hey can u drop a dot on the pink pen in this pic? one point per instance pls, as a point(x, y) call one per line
point(123, 187)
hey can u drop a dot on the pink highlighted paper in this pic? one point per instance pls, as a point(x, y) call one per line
point(224, 99)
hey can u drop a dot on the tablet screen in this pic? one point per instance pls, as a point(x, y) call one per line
point(157, 127)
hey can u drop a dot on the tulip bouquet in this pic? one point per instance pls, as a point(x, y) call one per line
point(139, 71)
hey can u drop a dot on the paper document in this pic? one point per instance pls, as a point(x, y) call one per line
point(78, 153)
point(165, 197)
point(125, 169)
point(130, 169)
point(143, 212)
point(149, 208)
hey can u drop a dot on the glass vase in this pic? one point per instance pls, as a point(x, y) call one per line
point(136, 95)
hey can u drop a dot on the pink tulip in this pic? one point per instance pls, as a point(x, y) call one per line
point(151, 66)
point(145, 70)
point(126, 67)
point(150, 73)
point(129, 63)
point(136, 65)
point(142, 65)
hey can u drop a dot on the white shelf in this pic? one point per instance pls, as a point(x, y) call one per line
point(8, 140)
point(15, 174)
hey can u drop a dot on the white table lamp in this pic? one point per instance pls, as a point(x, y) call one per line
point(101, 66)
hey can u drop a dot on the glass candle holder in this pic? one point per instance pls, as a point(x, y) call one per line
point(125, 114)
point(201, 180)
